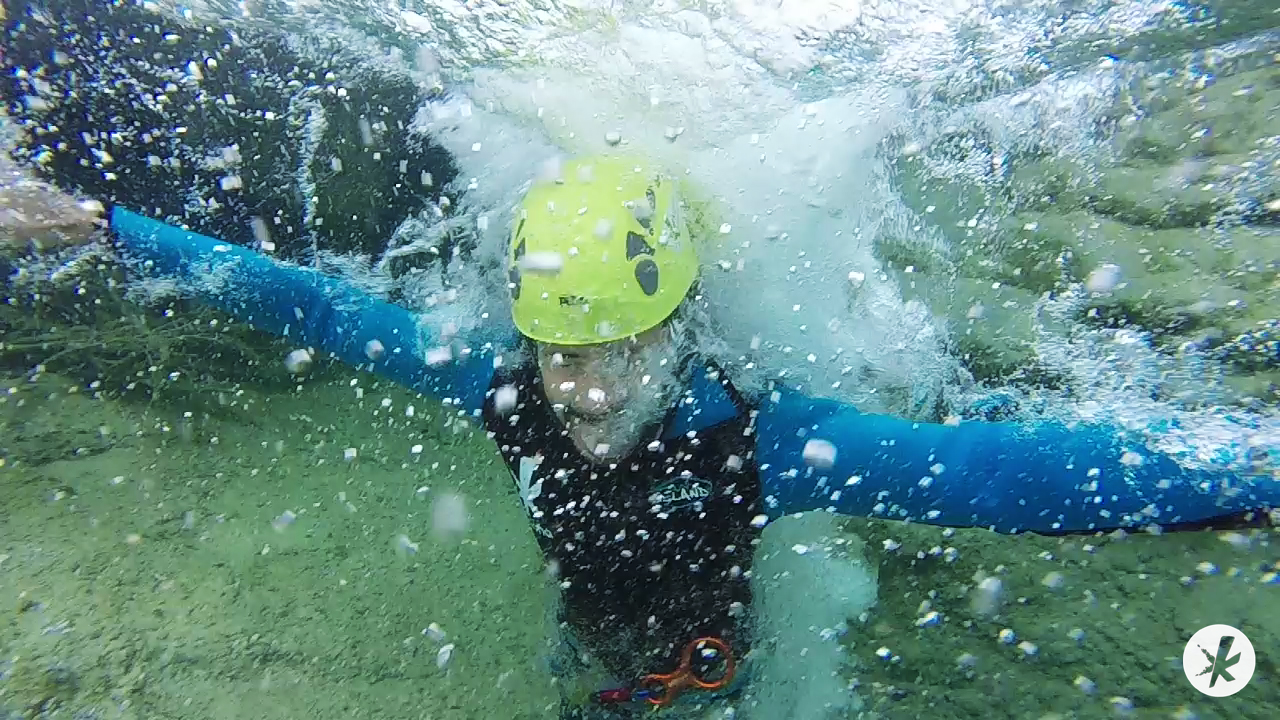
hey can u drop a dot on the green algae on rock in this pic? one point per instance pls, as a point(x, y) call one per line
point(1177, 198)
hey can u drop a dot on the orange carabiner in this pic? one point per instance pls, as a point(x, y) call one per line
point(662, 689)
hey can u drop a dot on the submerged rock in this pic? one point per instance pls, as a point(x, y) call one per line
point(1177, 189)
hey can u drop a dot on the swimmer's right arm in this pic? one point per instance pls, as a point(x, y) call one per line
point(817, 454)
point(309, 308)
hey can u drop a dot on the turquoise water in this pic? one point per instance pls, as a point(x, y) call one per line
point(189, 531)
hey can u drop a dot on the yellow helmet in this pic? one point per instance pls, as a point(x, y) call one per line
point(599, 253)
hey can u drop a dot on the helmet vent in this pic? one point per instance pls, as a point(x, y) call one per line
point(637, 246)
point(647, 276)
point(513, 275)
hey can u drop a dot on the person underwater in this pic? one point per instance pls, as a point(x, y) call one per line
point(648, 478)
point(646, 475)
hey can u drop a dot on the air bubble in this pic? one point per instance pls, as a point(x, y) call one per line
point(298, 362)
point(449, 517)
point(261, 233)
point(444, 655)
point(547, 263)
point(438, 356)
point(987, 595)
point(819, 454)
point(1103, 279)
point(504, 399)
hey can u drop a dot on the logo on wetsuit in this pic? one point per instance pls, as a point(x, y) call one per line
point(680, 492)
point(530, 490)
point(669, 496)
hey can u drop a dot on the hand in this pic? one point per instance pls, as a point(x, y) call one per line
point(38, 215)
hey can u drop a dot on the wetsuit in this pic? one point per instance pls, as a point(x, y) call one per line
point(652, 551)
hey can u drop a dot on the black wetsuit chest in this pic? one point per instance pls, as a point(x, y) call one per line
point(652, 551)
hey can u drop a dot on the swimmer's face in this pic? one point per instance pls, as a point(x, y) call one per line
point(610, 395)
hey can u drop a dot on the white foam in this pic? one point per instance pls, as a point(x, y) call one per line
point(804, 174)
point(1176, 404)
point(804, 602)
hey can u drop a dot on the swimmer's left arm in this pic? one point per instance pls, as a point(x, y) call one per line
point(1005, 476)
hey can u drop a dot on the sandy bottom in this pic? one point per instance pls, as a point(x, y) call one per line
point(1109, 616)
point(146, 572)
point(141, 574)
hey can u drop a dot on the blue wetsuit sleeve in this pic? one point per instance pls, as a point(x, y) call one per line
point(1003, 476)
point(306, 306)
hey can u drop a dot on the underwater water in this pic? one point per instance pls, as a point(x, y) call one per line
point(949, 212)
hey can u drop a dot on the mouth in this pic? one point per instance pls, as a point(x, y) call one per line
point(574, 417)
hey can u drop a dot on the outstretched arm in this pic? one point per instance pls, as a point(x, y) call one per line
point(311, 308)
point(1004, 476)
